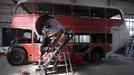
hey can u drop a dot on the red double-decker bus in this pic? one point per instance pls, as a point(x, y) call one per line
point(99, 31)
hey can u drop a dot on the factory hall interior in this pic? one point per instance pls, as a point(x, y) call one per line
point(66, 37)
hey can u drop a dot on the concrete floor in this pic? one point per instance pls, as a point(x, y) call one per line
point(114, 65)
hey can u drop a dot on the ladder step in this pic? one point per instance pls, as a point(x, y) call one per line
point(62, 65)
point(59, 65)
point(50, 66)
point(50, 72)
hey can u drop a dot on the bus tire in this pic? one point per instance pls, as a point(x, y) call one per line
point(16, 57)
point(96, 57)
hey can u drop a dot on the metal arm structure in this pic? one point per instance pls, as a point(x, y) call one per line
point(58, 49)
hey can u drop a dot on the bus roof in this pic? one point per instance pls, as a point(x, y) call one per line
point(69, 4)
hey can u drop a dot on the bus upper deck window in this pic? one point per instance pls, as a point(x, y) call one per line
point(37, 8)
point(63, 10)
point(116, 17)
point(113, 14)
point(20, 10)
point(97, 13)
point(24, 8)
point(82, 12)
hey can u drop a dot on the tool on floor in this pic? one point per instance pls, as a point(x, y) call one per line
point(25, 72)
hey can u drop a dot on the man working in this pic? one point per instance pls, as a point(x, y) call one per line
point(51, 28)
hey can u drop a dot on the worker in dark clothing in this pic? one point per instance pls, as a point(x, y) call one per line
point(57, 36)
point(51, 29)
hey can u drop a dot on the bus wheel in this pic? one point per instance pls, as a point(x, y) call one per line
point(17, 56)
point(96, 57)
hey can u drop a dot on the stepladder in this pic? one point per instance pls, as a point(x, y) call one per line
point(54, 66)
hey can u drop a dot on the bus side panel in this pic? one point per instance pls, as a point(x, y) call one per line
point(36, 51)
point(28, 48)
point(105, 46)
point(86, 25)
point(24, 21)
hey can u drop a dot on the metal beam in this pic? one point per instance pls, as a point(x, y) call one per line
point(124, 0)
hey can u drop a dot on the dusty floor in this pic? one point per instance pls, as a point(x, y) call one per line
point(114, 65)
